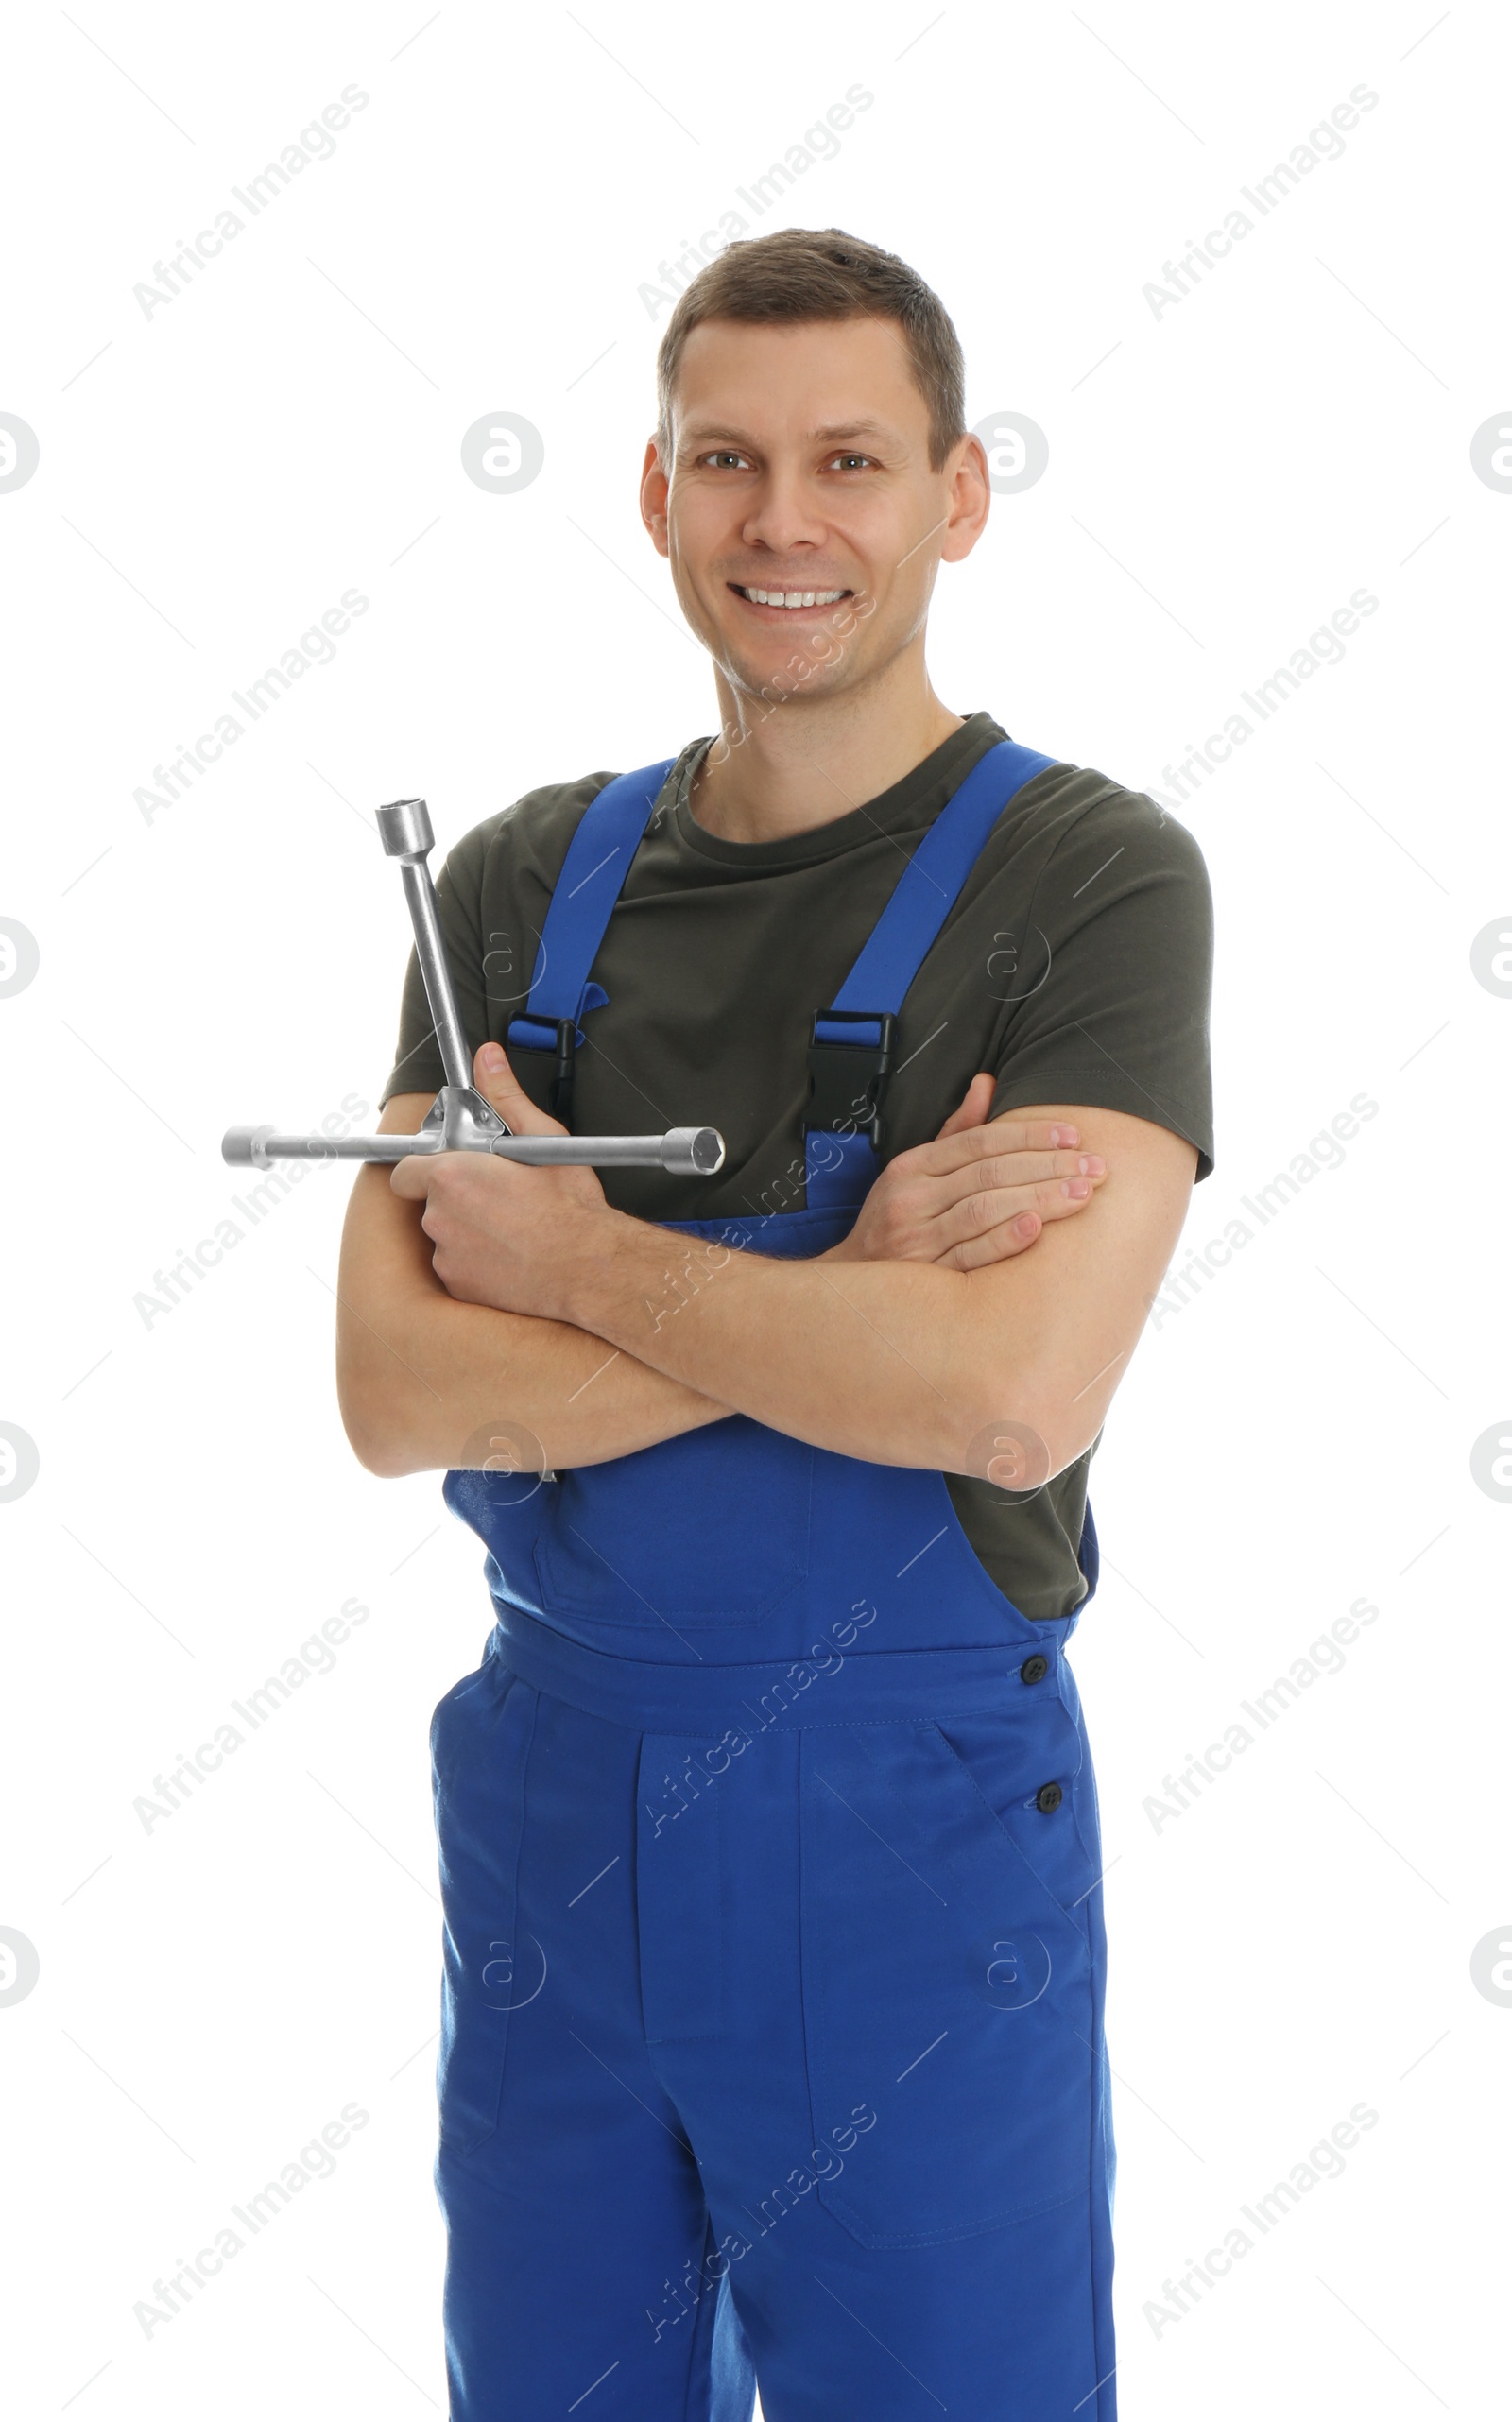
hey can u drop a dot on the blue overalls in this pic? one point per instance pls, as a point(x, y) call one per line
point(772, 2036)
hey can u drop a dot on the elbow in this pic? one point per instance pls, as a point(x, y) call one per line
point(374, 1434)
point(1026, 1431)
point(1064, 1425)
point(383, 1457)
point(1065, 1443)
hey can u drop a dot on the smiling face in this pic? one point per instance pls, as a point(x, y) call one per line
point(802, 521)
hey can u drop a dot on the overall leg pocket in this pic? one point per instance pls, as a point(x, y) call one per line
point(947, 1981)
point(480, 1746)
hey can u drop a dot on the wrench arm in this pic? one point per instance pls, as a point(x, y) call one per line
point(404, 830)
point(696, 1151)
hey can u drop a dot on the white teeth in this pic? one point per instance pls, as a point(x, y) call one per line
point(795, 597)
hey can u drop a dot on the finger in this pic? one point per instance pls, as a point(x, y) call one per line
point(984, 1192)
point(949, 1151)
point(1008, 1170)
point(1001, 1243)
point(975, 1103)
point(494, 1078)
point(992, 1228)
point(503, 1092)
point(411, 1177)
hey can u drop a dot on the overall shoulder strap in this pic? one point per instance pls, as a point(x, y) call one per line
point(851, 1052)
point(593, 876)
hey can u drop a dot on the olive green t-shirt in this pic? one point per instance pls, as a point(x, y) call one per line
point(1076, 964)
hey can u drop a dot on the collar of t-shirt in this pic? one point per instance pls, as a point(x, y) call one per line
point(909, 805)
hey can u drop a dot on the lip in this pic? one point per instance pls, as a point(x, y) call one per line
point(790, 613)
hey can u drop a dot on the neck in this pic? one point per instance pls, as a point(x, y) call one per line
point(774, 771)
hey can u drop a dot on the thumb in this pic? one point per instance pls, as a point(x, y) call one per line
point(975, 1103)
point(501, 1088)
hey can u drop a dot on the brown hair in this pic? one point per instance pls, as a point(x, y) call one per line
point(800, 273)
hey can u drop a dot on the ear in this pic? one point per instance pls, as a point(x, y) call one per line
point(654, 486)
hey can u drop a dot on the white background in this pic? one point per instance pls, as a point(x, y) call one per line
point(1222, 477)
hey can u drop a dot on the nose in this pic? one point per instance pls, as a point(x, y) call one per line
point(784, 513)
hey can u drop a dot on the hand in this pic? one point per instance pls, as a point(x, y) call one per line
point(982, 1191)
point(502, 1232)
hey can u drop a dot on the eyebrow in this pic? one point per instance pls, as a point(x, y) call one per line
point(705, 432)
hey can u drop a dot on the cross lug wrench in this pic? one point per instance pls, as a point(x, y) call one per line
point(460, 1120)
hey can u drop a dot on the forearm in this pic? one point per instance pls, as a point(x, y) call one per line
point(982, 1370)
point(977, 1369)
point(877, 1360)
point(422, 1380)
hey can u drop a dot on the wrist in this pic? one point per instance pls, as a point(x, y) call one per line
point(592, 1271)
point(847, 1250)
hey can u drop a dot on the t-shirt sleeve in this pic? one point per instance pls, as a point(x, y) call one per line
point(1113, 973)
point(418, 1066)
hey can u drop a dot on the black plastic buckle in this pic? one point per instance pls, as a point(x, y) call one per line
point(560, 1086)
point(847, 1080)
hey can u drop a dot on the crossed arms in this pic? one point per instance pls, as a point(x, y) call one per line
point(474, 1291)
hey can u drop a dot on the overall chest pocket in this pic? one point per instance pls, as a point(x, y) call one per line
point(948, 2001)
point(712, 1527)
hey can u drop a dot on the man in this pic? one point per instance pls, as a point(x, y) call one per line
point(772, 2016)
